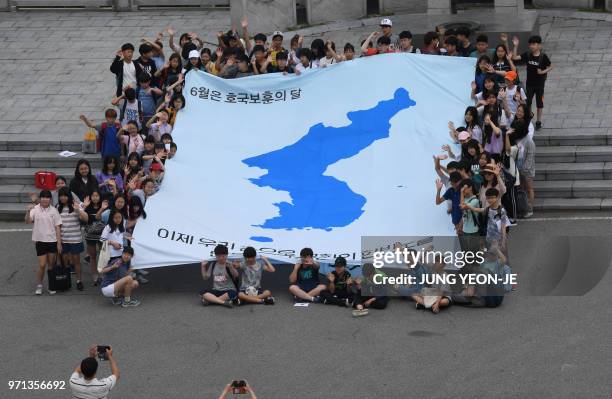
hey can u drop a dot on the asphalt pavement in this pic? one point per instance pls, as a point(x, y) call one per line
point(538, 344)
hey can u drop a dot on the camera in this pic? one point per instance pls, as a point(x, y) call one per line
point(102, 352)
point(239, 387)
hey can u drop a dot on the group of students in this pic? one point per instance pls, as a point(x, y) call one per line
point(491, 176)
point(239, 282)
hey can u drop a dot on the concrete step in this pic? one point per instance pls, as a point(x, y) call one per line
point(582, 136)
point(16, 193)
point(574, 171)
point(44, 159)
point(573, 204)
point(13, 212)
point(573, 153)
point(24, 142)
point(573, 189)
point(25, 176)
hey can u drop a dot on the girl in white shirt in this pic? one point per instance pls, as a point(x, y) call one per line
point(114, 233)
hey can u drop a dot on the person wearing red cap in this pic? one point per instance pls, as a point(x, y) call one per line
point(515, 95)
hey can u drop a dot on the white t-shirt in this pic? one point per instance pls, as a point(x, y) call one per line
point(129, 75)
point(323, 62)
point(513, 105)
point(115, 236)
point(300, 67)
point(91, 389)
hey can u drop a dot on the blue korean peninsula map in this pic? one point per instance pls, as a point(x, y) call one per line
point(323, 202)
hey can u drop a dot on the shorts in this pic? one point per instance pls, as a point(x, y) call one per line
point(307, 287)
point(73, 248)
point(539, 95)
point(231, 293)
point(109, 291)
point(43, 248)
point(527, 173)
point(93, 243)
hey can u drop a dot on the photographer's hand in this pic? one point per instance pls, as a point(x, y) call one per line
point(225, 391)
point(250, 390)
point(93, 351)
point(113, 363)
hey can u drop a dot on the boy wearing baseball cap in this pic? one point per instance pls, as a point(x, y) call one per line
point(277, 47)
point(386, 28)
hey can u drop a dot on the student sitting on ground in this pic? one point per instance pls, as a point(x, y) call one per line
point(250, 287)
point(437, 295)
point(224, 280)
point(304, 278)
point(369, 294)
point(117, 283)
point(339, 291)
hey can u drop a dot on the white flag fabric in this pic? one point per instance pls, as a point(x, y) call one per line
point(281, 162)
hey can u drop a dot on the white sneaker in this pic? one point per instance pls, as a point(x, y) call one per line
point(143, 272)
point(142, 280)
point(528, 215)
point(38, 290)
point(52, 292)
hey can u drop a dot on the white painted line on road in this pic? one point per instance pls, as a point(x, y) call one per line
point(566, 218)
point(13, 230)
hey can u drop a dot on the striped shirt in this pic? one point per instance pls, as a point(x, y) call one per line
point(91, 389)
point(71, 226)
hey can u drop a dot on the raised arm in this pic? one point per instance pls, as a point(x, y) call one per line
point(171, 33)
point(115, 101)
point(438, 166)
point(151, 43)
point(28, 214)
point(205, 270)
point(515, 53)
point(364, 46)
point(294, 272)
point(267, 265)
point(245, 34)
point(86, 121)
point(439, 185)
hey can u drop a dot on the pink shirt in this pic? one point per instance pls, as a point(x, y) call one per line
point(134, 144)
point(45, 220)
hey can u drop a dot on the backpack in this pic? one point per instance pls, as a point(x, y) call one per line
point(124, 106)
point(481, 220)
point(235, 281)
point(102, 133)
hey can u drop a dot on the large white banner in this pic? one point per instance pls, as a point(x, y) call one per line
point(282, 162)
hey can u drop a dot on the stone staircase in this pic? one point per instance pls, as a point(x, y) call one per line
point(574, 169)
point(20, 160)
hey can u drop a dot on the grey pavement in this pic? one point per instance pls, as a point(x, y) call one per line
point(171, 347)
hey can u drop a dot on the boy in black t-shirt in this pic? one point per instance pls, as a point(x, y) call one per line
point(538, 66)
point(304, 278)
point(339, 290)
